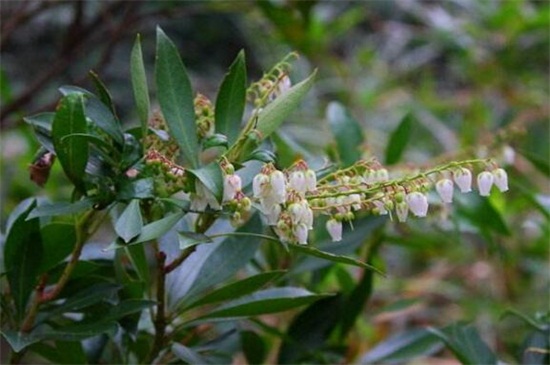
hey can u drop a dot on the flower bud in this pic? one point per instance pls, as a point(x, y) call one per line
point(484, 183)
point(444, 188)
point(402, 211)
point(272, 214)
point(382, 175)
point(418, 203)
point(334, 228)
point(463, 179)
point(231, 186)
point(500, 179)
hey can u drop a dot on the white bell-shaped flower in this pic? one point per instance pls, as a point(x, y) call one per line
point(203, 198)
point(307, 216)
point(278, 186)
point(402, 211)
point(463, 179)
point(444, 188)
point(334, 228)
point(484, 183)
point(382, 175)
point(500, 179)
point(418, 203)
point(260, 185)
point(381, 207)
point(272, 215)
point(311, 180)
point(297, 181)
point(231, 185)
point(296, 211)
point(300, 233)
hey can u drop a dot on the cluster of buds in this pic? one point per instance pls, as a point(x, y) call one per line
point(169, 177)
point(204, 116)
point(282, 199)
point(272, 84)
point(160, 140)
point(288, 199)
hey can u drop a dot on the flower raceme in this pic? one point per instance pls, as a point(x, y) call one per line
point(289, 199)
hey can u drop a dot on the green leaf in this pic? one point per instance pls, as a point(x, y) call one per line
point(187, 355)
point(267, 301)
point(175, 97)
point(212, 177)
point(42, 125)
point(130, 222)
point(22, 256)
point(88, 138)
point(312, 251)
point(539, 162)
point(104, 94)
point(310, 330)
point(231, 100)
point(104, 118)
point(347, 132)
point(87, 297)
point(127, 307)
point(138, 257)
point(276, 112)
point(403, 347)
point(139, 84)
point(189, 239)
point(214, 263)
point(217, 140)
point(466, 344)
point(19, 341)
point(136, 189)
point(58, 240)
point(153, 230)
point(81, 332)
point(399, 139)
point(237, 289)
point(481, 213)
point(254, 347)
point(64, 208)
point(72, 154)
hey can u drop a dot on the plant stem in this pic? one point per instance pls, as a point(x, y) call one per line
point(160, 318)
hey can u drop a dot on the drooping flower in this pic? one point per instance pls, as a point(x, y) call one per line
point(297, 181)
point(418, 203)
point(380, 207)
point(463, 179)
point(260, 185)
point(444, 188)
point(500, 179)
point(484, 183)
point(231, 186)
point(334, 228)
point(311, 180)
point(272, 214)
point(301, 232)
point(382, 175)
point(278, 186)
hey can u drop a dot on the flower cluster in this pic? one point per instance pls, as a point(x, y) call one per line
point(282, 199)
point(272, 84)
point(288, 199)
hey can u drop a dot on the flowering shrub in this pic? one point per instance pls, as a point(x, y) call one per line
point(169, 187)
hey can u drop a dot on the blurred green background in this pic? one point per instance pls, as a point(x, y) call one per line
point(472, 74)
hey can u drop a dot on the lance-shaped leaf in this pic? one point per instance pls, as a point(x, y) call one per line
point(276, 112)
point(264, 302)
point(211, 176)
point(231, 100)
point(347, 133)
point(72, 154)
point(175, 97)
point(130, 222)
point(139, 84)
point(22, 256)
point(399, 139)
point(237, 289)
point(190, 239)
point(104, 94)
point(42, 125)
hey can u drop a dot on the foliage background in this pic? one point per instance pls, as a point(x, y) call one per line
point(472, 74)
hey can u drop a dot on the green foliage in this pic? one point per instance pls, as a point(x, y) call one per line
point(151, 250)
